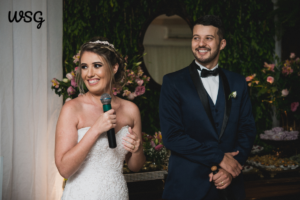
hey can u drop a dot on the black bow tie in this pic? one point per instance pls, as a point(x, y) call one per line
point(207, 73)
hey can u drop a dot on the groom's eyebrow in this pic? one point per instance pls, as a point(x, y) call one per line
point(206, 35)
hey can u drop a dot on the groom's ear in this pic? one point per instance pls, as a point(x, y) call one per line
point(223, 44)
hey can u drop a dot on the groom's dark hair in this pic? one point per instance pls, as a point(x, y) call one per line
point(211, 20)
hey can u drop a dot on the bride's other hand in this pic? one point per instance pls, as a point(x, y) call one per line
point(132, 142)
point(135, 157)
point(105, 122)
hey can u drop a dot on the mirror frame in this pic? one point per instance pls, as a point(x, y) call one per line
point(169, 8)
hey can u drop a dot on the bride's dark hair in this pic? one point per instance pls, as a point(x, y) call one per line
point(111, 56)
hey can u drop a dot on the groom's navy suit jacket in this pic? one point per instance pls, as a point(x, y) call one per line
point(198, 133)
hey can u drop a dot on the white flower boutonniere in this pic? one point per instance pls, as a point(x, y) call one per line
point(232, 95)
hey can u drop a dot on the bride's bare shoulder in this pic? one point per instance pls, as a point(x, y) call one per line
point(73, 106)
point(130, 108)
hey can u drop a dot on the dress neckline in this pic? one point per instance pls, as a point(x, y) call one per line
point(90, 127)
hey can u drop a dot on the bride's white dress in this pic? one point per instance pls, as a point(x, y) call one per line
point(101, 174)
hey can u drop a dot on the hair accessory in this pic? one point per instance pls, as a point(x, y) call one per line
point(103, 42)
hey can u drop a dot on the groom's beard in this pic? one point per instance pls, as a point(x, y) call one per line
point(212, 56)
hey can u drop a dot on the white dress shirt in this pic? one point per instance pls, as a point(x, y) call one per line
point(210, 83)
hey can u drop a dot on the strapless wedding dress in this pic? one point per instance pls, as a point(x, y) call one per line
point(100, 176)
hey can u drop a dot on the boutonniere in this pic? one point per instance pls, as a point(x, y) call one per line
point(232, 95)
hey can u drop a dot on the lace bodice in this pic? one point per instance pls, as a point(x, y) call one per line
point(100, 176)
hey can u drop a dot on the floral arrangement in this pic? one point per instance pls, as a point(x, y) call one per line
point(154, 149)
point(279, 134)
point(272, 162)
point(279, 85)
point(134, 83)
point(132, 86)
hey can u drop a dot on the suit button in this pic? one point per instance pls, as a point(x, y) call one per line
point(216, 110)
point(217, 124)
point(220, 142)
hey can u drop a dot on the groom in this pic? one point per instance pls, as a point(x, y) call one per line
point(206, 120)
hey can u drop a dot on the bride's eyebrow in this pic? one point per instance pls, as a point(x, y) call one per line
point(98, 62)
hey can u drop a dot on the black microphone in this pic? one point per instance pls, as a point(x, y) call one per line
point(111, 136)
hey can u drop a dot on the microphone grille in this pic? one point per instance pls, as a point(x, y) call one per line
point(105, 98)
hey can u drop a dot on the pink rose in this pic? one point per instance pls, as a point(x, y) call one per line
point(71, 90)
point(76, 68)
point(73, 83)
point(294, 106)
point(131, 96)
point(139, 81)
point(139, 90)
point(297, 59)
point(270, 79)
point(159, 147)
point(284, 92)
point(292, 55)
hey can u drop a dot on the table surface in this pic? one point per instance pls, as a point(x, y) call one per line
point(145, 176)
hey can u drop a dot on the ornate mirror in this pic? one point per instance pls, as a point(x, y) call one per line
point(166, 40)
point(167, 44)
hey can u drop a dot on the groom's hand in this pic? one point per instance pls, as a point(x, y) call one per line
point(221, 180)
point(230, 164)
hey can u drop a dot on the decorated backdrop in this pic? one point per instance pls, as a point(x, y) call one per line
point(249, 34)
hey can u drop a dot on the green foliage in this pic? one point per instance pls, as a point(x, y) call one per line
point(249, 35)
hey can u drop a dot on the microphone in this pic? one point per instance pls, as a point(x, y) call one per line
point(111, 136)
point(225, 194)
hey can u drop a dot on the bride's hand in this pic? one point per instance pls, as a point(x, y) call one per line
point(131, 142)
point(106, 121)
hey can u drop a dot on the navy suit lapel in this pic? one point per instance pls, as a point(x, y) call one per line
point(227, 110)
point(204, 96)
point(201, 92)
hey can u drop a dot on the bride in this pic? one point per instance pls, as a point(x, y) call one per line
point(82, 155)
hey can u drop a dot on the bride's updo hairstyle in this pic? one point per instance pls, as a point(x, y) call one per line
point(101, 47)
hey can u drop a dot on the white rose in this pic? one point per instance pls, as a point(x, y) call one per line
point(234, 94)
point(68, 99)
